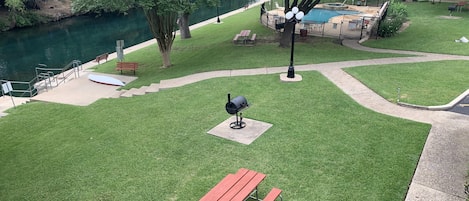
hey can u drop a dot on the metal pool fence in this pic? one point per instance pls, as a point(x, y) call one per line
point(353, 26)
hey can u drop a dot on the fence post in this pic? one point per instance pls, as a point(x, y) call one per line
point(7, 88)
point(120, 50)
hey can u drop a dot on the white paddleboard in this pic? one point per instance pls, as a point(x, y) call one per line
point(102, 79)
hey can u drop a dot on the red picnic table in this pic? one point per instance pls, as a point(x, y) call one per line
point(242, 37)
point(244, 33)
point(236, 187)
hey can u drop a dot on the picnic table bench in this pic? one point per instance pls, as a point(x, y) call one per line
point(460, 5)
point(101, 57)
point(273, 195)
point(132, 66)
point(239, 187)
point(243, 38)
point(251, 41)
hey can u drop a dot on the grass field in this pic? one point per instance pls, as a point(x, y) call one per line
point(430, 30)
point(428, 83)
point(207, 51)
point(322, 146)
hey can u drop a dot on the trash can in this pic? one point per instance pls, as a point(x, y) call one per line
point(303, 32)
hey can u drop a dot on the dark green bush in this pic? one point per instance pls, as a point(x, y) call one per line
point(397, 9)
point(27, 19)
point(3, 25)
point(390, 26)
point(396, 15)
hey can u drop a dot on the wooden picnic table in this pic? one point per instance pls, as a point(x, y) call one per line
point(460, 5)
point(243, 38)
point(245, 33)
point(236, 187)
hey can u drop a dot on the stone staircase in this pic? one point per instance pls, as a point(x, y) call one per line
point(137, 91)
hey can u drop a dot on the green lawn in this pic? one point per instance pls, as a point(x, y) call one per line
point(428, 83)
point(211, 48)
point(322, 146)
point(207, 52)
point(428, 31)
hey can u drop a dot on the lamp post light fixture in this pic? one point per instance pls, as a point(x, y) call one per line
point(295, 16)
point(218, 15)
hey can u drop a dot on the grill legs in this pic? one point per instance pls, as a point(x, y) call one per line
point(238, 124)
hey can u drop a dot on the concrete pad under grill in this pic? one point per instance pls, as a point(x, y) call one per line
point(246, 135)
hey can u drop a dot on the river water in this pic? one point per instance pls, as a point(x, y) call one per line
point(80, 38)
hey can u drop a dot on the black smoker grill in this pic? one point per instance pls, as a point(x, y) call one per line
point(234, 107)
point(452, 8)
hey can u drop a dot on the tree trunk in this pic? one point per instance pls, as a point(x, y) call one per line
point(162, 25)
point(285, 39)
point(183, 22)
point(166, 57)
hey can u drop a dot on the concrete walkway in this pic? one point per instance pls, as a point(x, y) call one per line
point(444, 163)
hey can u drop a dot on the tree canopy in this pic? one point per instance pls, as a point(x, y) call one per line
point(15, 5)
point(162, 16)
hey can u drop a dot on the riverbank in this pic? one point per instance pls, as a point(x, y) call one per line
point(46, 11)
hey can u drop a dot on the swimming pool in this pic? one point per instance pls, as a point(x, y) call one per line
point(323, 15)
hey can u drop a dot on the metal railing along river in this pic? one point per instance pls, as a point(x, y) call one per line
point(46, 78)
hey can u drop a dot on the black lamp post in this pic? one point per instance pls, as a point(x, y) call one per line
point(218, 15)
point(295, 16)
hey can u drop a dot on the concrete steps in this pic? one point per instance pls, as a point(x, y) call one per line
point(137, 91)
point(130, 92)
point(153, 88)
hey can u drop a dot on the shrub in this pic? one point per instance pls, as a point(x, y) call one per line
point(3, 25)
point(389, 26)
point(27, 19)
point(397, 9)
point(396, 15)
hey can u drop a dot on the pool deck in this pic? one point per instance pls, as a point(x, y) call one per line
point(342, 26)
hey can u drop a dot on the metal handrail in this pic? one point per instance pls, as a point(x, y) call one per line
point(54, 74)
point(28, 91)
point(46, 76)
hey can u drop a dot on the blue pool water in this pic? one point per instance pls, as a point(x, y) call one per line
point(323, 15)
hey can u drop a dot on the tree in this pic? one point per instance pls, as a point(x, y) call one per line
point(305, 6)
point(161, 16)
point(187, 8)
point(15, 7)
point(162, 26)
